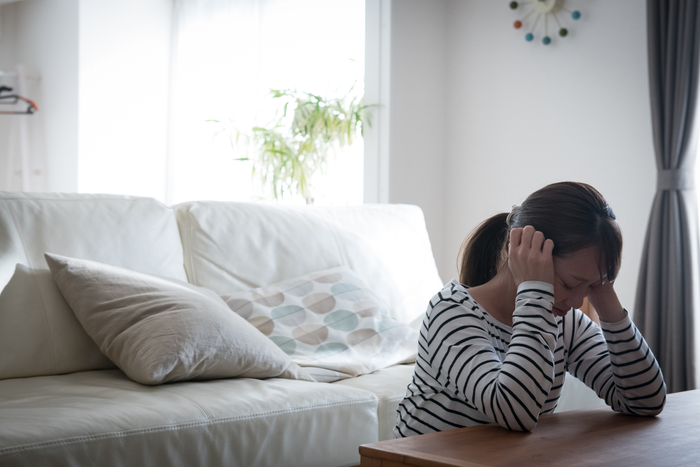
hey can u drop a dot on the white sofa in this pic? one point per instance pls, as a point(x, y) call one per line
point(64, 403)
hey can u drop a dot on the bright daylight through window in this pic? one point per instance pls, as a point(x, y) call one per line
point(227, 57)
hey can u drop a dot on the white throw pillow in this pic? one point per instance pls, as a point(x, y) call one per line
point(329, 322)
point(160, 330)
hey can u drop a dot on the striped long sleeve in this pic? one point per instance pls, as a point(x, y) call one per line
point(458, 361)
point(472, 369)
point(616, 363)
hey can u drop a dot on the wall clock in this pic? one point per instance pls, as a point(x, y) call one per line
point(542, 12)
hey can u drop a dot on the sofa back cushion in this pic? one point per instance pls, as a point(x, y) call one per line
point(241, 246)
point(39, 334)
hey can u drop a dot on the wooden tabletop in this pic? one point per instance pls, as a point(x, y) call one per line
point(581, 437)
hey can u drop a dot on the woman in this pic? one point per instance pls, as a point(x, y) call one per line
point(495, 346)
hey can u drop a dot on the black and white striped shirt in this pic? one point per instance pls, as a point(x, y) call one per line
point(471, 369)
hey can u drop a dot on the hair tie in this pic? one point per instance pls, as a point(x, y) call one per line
point(513, 212)
point(607, 211)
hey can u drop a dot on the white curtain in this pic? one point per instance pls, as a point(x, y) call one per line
point(227, 55)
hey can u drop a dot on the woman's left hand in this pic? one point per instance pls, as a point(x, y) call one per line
point(605, 301)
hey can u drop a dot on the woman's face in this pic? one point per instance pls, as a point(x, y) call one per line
point(574, 275)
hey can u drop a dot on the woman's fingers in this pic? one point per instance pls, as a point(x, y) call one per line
point(530, 255)
point(528, 233)
point(537, 241)
point(548, 247)
point(515, 237)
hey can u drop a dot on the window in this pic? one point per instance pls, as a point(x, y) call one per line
point(226, 57)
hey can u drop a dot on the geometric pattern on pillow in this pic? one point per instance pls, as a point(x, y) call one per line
point(329, 322)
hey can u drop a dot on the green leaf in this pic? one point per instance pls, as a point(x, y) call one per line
point(306, 131)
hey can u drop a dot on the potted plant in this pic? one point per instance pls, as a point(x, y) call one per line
point(306, 131)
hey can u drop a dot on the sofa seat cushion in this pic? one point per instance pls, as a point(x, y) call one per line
point(103, 418)
point(389, 385)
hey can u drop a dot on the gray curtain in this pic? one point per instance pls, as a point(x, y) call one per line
point(667, 309)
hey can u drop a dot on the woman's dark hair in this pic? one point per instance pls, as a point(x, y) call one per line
point(574, 215)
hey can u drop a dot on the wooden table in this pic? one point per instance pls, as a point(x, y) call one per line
point(582, 437)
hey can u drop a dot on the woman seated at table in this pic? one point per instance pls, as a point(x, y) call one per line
point(495, 346)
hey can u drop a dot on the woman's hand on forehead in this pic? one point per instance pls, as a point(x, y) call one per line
point(530, 256)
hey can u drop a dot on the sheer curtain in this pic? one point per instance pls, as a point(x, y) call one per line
point(226, 56)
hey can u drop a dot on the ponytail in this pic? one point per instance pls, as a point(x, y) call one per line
point(483, 252)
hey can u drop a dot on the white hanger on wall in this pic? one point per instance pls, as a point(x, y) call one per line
point(18, 141)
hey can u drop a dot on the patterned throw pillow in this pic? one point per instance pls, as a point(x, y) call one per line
point(328, 322)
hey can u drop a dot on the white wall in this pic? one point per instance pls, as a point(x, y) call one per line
point(103, 70)
point(418, 117)
point(43, 36)
point(124, 70)
point(480, 118)
point(521, 115)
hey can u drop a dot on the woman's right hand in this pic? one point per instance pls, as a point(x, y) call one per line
point(530, 256)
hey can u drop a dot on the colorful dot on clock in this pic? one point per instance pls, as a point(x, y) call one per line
point(546, 40)
point(517, 24)
point(513, 5)
point(563, 32)
point(529, 37)
point(576, 14)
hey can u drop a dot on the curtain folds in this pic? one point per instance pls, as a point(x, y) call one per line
point(667, 309)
